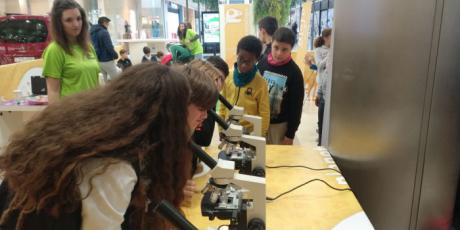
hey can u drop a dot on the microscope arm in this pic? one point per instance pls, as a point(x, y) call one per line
point(221, 169)
point(257, 122)
point(238, 112)
point(232, 132)
point(223, 173)
point(254, 189)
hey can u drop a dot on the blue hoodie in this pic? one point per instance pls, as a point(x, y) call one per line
point(102, 44)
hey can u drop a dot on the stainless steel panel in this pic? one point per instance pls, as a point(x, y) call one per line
point(442, 158)
point(379, 84)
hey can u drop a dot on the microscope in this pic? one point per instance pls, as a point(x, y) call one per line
point(236, 113)
point(232, 196)
point(248, 152)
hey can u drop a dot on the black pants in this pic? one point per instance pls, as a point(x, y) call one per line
point(320, 119)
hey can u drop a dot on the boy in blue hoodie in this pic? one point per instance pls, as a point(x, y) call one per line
point(106, 54)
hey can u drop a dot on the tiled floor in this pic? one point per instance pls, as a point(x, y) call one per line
point(306, 134)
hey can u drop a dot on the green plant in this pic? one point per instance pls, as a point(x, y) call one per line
point(275, 8)
point(210, 4)
point(294, 3)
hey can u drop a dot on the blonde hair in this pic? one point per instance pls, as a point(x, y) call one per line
point(208, 69)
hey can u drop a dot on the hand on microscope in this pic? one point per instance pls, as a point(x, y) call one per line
point(221, 136)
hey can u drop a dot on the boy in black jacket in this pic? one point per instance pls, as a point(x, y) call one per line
point(286, 88)
point(124, 61)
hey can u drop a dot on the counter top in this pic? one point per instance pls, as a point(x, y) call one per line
point(313, 206)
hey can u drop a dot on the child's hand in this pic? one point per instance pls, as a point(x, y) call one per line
point(221, 136)
point(309, 59)
point(287, 141)
point(189, 190)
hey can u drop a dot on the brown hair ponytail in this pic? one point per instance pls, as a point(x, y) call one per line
point(319, 41)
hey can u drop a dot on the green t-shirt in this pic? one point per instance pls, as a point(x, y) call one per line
point(77, 72)
point(194, 47)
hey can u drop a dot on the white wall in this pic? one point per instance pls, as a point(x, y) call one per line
point(25, 6)
point(40, 7)
point(191, 4)
point(2, 7)
point(118, 12)
point(12, 6)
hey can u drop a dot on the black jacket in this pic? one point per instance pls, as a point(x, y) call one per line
point(102, 43)
point(42, 221)
point(267, 50)
point(152, 59)
point(123, 64)
point(292, 99)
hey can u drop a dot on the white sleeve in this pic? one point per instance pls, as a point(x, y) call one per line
point(321, 58)
point(105, 206)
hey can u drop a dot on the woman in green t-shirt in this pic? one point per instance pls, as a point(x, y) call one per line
point(70, 62)
point(190, 39)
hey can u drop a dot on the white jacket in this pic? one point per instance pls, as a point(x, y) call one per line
point(321, 58)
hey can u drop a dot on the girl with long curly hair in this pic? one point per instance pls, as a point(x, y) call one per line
point(104, 158)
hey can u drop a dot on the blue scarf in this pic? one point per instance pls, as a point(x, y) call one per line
point(242, 79)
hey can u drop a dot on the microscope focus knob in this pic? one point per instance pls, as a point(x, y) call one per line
point(258, 171)
point(256, 224)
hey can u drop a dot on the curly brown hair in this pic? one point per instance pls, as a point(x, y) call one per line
point(57, 28)
point(319, 41)
point(139, 118)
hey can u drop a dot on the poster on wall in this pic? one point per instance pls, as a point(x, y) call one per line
point(237, 21)
point(211, 27)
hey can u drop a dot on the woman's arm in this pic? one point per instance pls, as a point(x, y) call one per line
point(53, 88)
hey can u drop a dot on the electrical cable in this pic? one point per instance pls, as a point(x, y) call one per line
point(308, 182)
point(301, 166)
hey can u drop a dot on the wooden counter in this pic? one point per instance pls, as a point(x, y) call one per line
point(313, 206)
